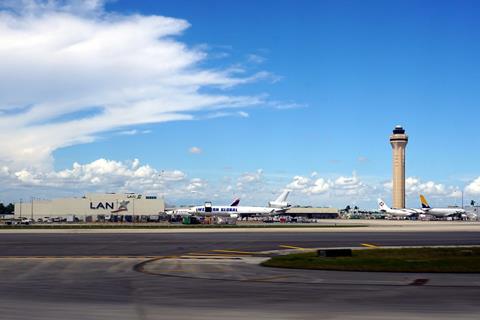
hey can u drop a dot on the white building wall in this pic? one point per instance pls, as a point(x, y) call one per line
point(92, 205)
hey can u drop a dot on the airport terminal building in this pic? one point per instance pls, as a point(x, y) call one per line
point(93, 207)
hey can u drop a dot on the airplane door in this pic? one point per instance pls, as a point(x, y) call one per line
point(208, 207)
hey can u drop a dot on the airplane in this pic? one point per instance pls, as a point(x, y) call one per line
point(401, 213)
point(234, 210)
point(190, 211)
point(440, 212)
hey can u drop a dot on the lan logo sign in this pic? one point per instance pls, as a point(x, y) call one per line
point(122, 206)
point(101, 205)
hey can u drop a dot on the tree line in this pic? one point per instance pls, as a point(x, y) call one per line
point(7, 209)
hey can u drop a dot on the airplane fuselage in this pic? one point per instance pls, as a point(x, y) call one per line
point(444, 212)
point(403, 213)
point(230, 211)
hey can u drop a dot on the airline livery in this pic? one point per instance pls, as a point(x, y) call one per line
point(401, 213)
point(277, 206)
point(440, 212)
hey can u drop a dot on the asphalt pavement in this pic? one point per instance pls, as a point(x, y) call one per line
point(146, 244)
point(72, 278)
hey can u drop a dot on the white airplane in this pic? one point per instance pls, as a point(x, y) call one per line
point(190, 211)
point(440, 212)
point(234, 211)
point(401, 213)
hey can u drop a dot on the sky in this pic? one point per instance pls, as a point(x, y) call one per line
point(211, 100)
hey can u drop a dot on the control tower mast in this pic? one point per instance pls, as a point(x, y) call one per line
point(399, 141)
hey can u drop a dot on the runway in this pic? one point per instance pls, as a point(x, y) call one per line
point(154, 244)
point(86, 284)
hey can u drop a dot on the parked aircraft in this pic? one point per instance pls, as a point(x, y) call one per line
point(234, 210)
point(440, 212)
point(398, 212)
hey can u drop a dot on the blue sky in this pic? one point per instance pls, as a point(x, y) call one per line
point(334, 78)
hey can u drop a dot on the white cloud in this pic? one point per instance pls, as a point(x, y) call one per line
point(251, 177)
point(299, 183)
point(319, 186)
point(195, 150)
point(100, 175)
point(133, 132)
point(341, 186)
point(196, 185)
point(414, 186)
point(362, 159)
point(286, 105)
point(71, 71)
point(255, 58)
point(473, 187)
point(129, 132)
point(221, 114)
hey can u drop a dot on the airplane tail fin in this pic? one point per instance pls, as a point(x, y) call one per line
point(283, 196)
point(235, 202)
point(281, 201)
point(424, 202)
point(382, 205)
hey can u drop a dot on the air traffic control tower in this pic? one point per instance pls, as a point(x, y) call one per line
point(399, 141)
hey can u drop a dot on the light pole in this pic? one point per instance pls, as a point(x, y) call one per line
point(21, 208)
point(133, 210)
point(31, 209)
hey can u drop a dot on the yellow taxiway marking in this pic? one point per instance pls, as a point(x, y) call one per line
point(368, 245)
point(292, 247)
point(234, 251)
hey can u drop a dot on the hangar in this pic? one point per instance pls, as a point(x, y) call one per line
point(93, 207)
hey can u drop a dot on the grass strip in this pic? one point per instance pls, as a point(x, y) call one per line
point(454, 260)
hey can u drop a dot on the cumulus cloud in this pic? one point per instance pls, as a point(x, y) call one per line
point(71, 71)
point(414, 186)
point(251, 177)
point(195, 150)
point(473, 187)
point(319, 186)
point(101, 175)
point(341, 186)
point(299, 183)
point(196, 185)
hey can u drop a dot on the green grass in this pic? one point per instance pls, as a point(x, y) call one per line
point(170, 226)
point(387, 260)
